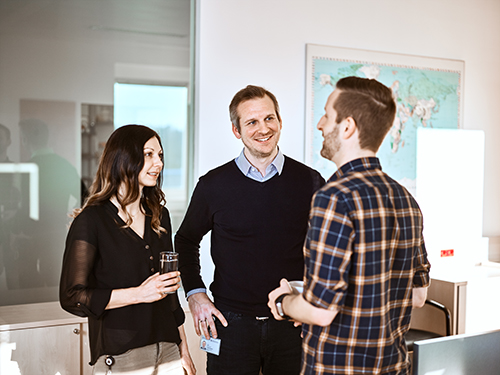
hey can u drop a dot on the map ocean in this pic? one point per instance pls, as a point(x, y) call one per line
point(424, 98)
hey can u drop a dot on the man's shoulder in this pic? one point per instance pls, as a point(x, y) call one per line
point(220, 171)
point(296, 164)
point(366, 183)
point(219, 176)
point(300, 167)
point(343, 186)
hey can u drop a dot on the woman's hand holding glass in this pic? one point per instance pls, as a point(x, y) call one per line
point(158, 286)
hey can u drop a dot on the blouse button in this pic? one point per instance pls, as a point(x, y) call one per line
point(151, 257)
point(78, 304)
point(152, 270)
point(147, 247)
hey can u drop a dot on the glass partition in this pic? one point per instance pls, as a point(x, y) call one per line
point(59, 62)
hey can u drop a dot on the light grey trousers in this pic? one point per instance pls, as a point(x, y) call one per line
point(157, 359)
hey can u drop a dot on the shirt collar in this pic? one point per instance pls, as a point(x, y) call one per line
point(357, 165)
point(244, 165)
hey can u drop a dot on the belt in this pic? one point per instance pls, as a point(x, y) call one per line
point(261, 318)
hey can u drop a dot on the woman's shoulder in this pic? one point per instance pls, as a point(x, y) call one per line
point(94, 210)
point(94, 220)
point(92, 214)
point(165, 215)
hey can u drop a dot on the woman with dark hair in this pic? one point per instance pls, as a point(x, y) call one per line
point(111, 261)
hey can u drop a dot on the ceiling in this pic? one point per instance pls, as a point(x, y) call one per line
point(163, 22)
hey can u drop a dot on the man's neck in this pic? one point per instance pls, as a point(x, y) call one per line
point(261, 163)
point(348, 157)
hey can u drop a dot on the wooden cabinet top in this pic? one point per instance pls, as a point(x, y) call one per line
point(35, 315)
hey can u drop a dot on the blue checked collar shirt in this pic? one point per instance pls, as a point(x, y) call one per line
point(364, 252)
point(276, 167)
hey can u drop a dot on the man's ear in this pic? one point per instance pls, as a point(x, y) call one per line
point(348, 127)
point(236, 132)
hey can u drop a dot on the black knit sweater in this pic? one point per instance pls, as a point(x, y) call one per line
point(258, 230)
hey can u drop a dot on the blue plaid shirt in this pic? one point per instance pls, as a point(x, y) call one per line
point(364, 253)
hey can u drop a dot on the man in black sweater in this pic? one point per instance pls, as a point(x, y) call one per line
point(256, 207)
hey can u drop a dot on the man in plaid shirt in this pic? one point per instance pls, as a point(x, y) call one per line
point(366, 265)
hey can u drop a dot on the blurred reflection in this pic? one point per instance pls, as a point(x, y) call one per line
point(9, 202)
point(37, 245)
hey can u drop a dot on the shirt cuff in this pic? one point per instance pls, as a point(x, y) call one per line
point(194, 291)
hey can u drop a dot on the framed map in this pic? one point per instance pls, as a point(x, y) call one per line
point(428, 93)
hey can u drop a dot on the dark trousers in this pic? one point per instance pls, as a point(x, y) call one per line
point(250, 345)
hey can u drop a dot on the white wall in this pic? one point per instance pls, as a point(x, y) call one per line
point(263, 42)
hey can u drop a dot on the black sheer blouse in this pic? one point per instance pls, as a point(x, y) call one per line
point(99, 257)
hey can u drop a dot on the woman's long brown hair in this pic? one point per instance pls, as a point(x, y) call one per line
point(121, 162)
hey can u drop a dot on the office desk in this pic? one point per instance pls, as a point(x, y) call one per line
point(470, 293)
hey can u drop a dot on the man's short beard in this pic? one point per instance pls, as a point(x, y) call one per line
point(331, 144)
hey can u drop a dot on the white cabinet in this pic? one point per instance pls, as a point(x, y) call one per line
point(42, 339)
point(44, 350)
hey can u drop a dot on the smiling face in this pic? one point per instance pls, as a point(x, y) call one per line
point(153, 163)
point(260, 127)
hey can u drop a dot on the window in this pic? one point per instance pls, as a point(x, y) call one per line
point(164, 109)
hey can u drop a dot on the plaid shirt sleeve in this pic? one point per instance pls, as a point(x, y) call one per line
point(421, 278)
point(328, 251)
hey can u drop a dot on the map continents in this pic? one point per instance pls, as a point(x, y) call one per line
point(425, 97)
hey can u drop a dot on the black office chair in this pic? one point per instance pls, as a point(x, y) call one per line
point(419, 334)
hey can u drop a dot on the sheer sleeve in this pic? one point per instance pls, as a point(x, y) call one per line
point(76, 294)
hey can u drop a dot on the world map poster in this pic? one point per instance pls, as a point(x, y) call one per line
point(428, 93)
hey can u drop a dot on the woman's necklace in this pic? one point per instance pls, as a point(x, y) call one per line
point(134, 214)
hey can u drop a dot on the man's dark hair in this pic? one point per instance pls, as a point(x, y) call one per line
point(370, 104)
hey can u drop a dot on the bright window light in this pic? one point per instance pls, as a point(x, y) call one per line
point(164, 109)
